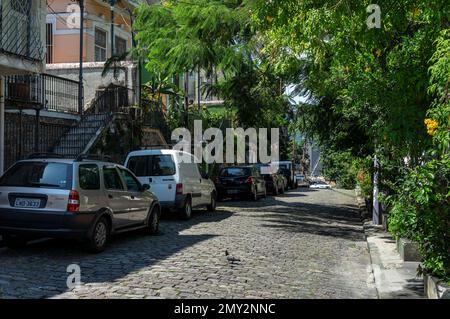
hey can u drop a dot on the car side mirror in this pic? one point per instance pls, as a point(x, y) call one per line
point(145, 187)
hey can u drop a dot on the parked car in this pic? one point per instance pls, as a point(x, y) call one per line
point(302, 181)
point(320, 185)
point(274, 181)
point(175, 178)
point(83, 198)
point(240, 181)
point(287, 168)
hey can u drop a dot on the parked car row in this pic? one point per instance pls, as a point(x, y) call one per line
point(90, 199)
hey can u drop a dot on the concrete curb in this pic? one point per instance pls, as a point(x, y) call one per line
point(435, 288)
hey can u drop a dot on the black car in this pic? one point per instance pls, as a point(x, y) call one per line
point(240, 181)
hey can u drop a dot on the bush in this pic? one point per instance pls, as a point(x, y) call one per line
point(420, 211)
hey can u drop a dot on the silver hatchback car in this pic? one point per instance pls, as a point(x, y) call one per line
point(84, 199)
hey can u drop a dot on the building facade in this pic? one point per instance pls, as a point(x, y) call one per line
point(22, 50)
point(107, 32)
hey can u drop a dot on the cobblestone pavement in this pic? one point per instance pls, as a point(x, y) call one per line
point(303, 244)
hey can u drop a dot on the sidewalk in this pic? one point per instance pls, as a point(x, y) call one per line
point(394, 278)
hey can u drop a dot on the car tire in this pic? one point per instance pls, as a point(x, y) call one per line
point(153, 221)
point(99, 237)
point(255, 196)
point(186, 210)
point(213, 204)
point(14, 242)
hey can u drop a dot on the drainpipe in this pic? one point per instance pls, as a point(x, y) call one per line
point(2, 125)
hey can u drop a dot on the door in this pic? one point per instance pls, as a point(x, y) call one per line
point(192, 180)
point(159, 172)
point(260, 183)
point(205, 186)
point(138, 203)
point(117, 196)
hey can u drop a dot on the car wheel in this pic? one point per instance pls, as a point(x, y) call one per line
point(255, 195)
point(14, 242)
point(99, 237)
point(153, 221)
point(186, 210)
point(213, 204)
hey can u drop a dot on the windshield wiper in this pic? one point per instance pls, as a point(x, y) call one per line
point(43, 184)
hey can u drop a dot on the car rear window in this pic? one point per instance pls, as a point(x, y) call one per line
point(38, 174)
point(236, 171)
point(152, 165)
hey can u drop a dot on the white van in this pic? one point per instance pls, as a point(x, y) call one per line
point(175, 178)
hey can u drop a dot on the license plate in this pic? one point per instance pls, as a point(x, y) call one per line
point(27, 203)
point(232, 191)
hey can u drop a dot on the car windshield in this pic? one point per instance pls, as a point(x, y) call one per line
point(38, 174)
point(235, 172)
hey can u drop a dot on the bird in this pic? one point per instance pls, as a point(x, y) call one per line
point(230, 258)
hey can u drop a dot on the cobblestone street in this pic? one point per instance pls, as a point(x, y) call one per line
point(303, 244)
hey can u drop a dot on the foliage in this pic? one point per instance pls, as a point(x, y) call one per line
point(215, 36)
point(420, 211)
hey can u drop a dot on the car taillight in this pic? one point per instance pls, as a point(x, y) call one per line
point(73, 205)
point(179, 189)
point(249, 180)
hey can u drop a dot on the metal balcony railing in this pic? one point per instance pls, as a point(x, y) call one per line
point(20, 29)
point(45, 91)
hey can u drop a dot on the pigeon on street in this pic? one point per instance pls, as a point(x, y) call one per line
point(230, 258)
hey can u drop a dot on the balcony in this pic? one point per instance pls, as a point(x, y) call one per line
point(41, 91)
point(21, 36)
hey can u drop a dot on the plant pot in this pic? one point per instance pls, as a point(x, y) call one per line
point(408, 250)
point(435, 288)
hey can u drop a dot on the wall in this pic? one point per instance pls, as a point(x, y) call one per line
point(19, 145)
point(93, 80)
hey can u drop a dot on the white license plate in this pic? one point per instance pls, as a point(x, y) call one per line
point(232, 191)
point(27, 203)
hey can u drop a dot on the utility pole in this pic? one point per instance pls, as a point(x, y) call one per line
point(2, 125)
point(186, 99)
point(80, 84)
point(112, 3)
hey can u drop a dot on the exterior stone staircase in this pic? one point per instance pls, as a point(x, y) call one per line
point(83, 136)
point(96, 119)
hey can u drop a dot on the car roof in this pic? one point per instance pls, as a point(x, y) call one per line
point(67, 161)
point(156, 152)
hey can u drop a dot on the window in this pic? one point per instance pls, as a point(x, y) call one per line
point(89, 177)
point(120, 46)
point(112, 179)
point(152, 165)
point(235, 171)
point(49, 37)
point(132, 184)
point(38, 174)
point(138, 165)
point(100, 45)
point(162, 165)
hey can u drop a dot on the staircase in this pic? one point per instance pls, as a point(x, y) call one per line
point(95, 120)
point(82, 136)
